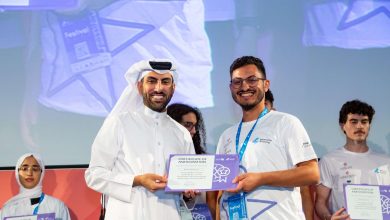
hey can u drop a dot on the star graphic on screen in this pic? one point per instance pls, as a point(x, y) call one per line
point(143, 28)
point(381, 7)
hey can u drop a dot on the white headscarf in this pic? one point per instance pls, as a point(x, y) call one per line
point(28, 193)
point(130, 98)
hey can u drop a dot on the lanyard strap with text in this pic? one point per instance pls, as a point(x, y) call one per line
point(243, 147)
point(40, 200)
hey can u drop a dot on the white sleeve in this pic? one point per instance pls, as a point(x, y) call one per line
point(325, 173)
point(297, 141)
point(105, 149)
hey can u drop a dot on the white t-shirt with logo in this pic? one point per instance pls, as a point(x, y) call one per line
point(278, 142)
point(345, 167)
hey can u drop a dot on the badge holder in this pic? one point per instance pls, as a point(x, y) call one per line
point(237, 207)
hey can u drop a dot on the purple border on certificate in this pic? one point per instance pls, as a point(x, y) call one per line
point(225, 169)
point(43, 216)
point(384, 191)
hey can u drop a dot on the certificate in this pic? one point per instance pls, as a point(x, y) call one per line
point(45, 216)
point(367, 201)
point(202, 172)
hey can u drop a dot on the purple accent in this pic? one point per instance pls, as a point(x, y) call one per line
point(345, 25)
point(146, 28)
point(221, 162)
point(230, 161)
point(385, 201)
point(43, 4)
point(201, 211)
point(271, 204)
point(44, 216)
point(384, 191)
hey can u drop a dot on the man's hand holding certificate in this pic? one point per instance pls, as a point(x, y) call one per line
point(202, 172)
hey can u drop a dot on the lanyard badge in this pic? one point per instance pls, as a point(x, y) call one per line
point(237, 203)
point(237, 207)
point(245, 143)
point(40, 201)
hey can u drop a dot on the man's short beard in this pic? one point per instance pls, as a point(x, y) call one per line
point(250, 106)
point(158, 108)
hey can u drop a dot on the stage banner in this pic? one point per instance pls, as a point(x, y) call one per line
point(85, 56)
point(352, 24)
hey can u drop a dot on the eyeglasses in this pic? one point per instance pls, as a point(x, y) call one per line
point(25, 169)
point(189, 125)
point(251, 81)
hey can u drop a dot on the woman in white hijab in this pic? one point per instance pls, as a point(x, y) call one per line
point(29, 173)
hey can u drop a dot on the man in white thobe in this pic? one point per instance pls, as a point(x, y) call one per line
point(130, 152)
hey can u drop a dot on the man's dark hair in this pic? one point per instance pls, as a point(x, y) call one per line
point(177, 110)
point(355, 107)
point(246, 60)
point(269, 96)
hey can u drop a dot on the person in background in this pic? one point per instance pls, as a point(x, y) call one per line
point(269, 100)
point(29, 173)
point(306, 193)
point(131, 150)
point(191, 118)
point(275, 152)
point(352, 163)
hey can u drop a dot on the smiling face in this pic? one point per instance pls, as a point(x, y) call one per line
point(248, 95)
point(357, 127)
point(29, 173)
point(156, 90)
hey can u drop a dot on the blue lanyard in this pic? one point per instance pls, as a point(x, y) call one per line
point(40, 200)
point(243, 147)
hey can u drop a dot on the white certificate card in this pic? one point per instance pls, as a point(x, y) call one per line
point(202, 172)
point(191, 172)
point(363, 201)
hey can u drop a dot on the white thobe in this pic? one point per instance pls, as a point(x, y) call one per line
point(23, 207)
point(131, 144)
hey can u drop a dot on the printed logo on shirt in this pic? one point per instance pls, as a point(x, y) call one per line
point(261, 140)
point(346, 166)
point(306, 144)
point(347, 178)
point(378, 170)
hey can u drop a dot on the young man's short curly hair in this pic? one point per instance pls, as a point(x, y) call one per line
point(355, 107)
point(246, 60)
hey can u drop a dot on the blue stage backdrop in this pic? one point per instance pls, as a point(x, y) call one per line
point(62, 65)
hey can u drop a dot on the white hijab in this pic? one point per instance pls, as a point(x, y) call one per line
point(28, 193)
point(131, 100)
